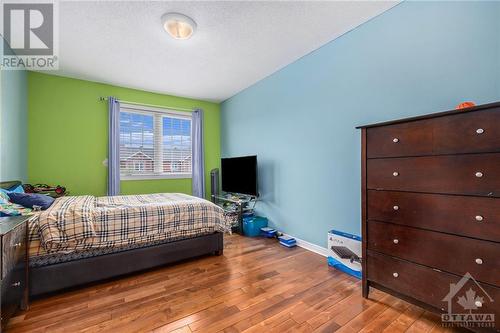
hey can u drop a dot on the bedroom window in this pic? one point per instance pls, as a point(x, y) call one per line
point(154, 143)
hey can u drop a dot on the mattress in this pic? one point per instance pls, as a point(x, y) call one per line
point(84, 226)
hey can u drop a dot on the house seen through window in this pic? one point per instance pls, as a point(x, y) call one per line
point(154, 144)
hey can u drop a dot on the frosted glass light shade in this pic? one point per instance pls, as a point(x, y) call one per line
point(178, 26)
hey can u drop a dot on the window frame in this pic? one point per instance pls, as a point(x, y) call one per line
point(151, 111)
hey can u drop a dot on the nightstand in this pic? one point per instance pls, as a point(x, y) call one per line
point(14, 266)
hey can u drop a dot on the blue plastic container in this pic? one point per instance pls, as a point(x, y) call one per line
point(252, 225)
point(247, 215)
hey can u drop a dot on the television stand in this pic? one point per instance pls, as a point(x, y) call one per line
point(235, 205)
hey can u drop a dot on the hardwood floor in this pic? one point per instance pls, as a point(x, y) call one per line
point(256, 286)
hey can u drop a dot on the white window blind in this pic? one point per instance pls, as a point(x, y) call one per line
point(154, 143)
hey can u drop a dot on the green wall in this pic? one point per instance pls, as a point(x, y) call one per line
point(68, 135)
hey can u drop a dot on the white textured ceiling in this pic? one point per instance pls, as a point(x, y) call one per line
point(236, 43)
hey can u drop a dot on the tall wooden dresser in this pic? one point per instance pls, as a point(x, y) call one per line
point(431, 213)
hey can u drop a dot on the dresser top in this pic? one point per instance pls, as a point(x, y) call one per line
point(10, 222)
point(434, 115)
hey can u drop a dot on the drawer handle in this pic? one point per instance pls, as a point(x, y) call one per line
point(479, 261)
point(478, 304)
point(395, 207)
point(395, 140)
point(395, 241)
point(480, 131)
point(479, 218)
point(395, 173)
point(18, 244)
point(16, 284)
point(479, 174)
point(395, 274)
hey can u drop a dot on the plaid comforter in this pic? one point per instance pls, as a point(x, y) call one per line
point(85, 222)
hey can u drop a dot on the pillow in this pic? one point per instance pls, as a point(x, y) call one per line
point(4, 194)
point(17, 189)
point(31, 199)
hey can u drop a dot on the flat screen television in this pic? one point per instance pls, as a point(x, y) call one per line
point(239, 175)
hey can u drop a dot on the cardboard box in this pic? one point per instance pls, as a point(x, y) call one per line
point(345, 252)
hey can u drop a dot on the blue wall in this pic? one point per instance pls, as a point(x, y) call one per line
point(419, 57)
point(13, 120)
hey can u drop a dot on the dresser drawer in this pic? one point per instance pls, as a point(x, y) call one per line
point(453, 174)
point(450, 253)
point(407, 139)
point(13, 249)
point(13, 288)
point(476, 217)
point(470, 132)
point(427, 285)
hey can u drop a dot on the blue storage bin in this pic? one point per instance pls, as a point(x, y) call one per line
point(248, 215)
point(252, 225)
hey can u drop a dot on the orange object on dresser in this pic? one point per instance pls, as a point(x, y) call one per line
point(465, 105)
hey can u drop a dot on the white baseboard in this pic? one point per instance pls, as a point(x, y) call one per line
point(310, 246)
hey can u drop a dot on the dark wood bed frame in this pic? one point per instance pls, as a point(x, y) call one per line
point(51, 278)
point(61, 276)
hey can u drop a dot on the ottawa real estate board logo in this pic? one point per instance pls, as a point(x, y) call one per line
point(30, 35)
point(468, 304)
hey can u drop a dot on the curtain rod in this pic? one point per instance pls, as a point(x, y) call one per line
point(102, 99)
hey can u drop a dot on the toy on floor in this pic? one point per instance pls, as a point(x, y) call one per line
point(287, 241)
point(284, 240)
point(268, 232)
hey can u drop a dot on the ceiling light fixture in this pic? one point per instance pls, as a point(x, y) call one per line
point(178, 26)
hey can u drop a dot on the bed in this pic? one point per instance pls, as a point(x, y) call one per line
point(84, 239)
